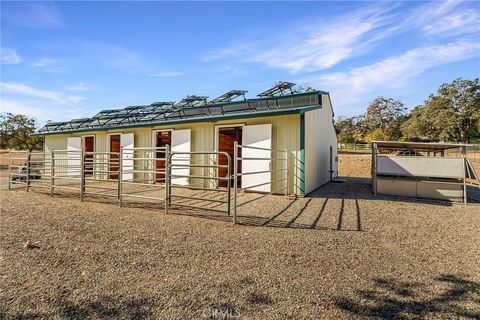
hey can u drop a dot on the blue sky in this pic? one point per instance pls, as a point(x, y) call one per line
point(63, 60)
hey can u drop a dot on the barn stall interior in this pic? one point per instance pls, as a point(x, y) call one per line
point(422, 170)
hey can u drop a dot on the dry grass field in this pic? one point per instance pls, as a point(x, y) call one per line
point(339, 253)
point(354, 165)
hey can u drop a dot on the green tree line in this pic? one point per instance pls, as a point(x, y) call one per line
point(451, 114)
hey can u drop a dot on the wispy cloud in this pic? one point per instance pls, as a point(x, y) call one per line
point(351, 87)
point(18, 107)
point(166, 74)
point(73, 54)
point(456, 23)
point(44, 62)
point(26, 90)
point(9, 56)
point(324, 44)
point(316, 45)
point(32, 14)
point(39, 111)
point(237, 49)
point(48, 65)
point(79, 87)
point(109, 55)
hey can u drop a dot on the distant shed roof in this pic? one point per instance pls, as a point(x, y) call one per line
point(419, 146)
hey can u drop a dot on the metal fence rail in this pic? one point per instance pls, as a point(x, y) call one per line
point(198, 171)
point(143, 171)
point(357, 147)
point(17, 169)
point(39, 169)
point(67, 171)
point(278, 169)
point(472, 153)
point(100, 174)
point(194, 180)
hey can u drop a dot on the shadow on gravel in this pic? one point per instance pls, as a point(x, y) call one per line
point(361, 189)
point(106, 307)
point(103, 307)
point(276, 221)
point(392, 299)
point(350, 189)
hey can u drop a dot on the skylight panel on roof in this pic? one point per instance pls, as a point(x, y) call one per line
point(191, 107)
point(229, 96)
point(279, 89)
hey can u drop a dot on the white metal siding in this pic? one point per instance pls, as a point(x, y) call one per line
point(319, 136)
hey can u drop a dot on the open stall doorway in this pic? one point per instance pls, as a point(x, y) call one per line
point(162, 139)
point(226, 139)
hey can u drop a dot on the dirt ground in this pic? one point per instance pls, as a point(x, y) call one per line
point(354, 165)
point(340, 253)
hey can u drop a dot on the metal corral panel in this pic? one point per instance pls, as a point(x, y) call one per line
point(397, 187)
point(439, 190)
point(419, 189)
point(434, 167)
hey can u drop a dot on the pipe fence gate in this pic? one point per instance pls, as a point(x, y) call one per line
point(143, 173)
point(18, 160)
point(275, 176)
point(194, 181)
point(100, 172)
point(200, 180)
point(66, 171)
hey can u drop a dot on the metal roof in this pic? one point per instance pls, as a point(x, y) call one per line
point(427, 146)
point(190, 109)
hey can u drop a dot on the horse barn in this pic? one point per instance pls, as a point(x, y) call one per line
point(281, 142)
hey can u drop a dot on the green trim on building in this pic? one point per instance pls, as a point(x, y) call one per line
point(301, 157)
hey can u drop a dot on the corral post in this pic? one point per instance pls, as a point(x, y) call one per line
point(229, 183)
point(286, 172)
point(27, 179)
point(52, 172)
point(153, 164)
point(464, 182)
point(235, 179)
point(167, 176)
point(82, 173)
point(9, 170)
point(464, 155)
point(119, 177)
point(374, 168)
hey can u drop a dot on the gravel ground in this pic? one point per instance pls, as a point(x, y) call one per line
point(339, 253)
